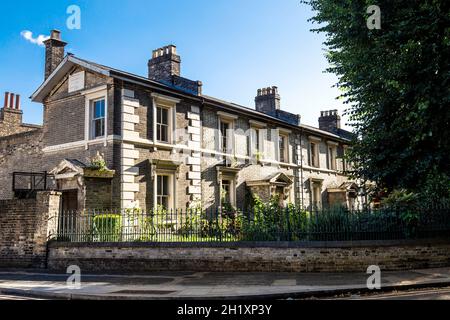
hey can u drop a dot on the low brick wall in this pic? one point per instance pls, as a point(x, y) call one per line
point(25, 226)
point(264, 257)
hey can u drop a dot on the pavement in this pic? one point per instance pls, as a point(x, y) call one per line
point(210, 286)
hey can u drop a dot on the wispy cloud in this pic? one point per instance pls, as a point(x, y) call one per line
point(28, 35)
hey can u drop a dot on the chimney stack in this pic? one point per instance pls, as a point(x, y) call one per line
point(330, 121)
point(164, 64)
point(54, 52)
point(268, 100)
point(10, 114)
point(12, 101)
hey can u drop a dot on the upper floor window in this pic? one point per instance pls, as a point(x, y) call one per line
point(98, 118)
point(226, 135)
point(332, 157)
point(255, 141)
point(162, 125)
point(314, 155)
point(283, 148)
point(224, 127)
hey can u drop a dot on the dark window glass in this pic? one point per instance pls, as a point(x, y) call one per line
point(313, 154)
point(282, 141)
point(162, 124)
point(224, 136)
point(163, 194)
point(98, 121)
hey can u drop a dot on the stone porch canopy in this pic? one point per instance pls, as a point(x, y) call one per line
point(90, 186)
point(72, 168)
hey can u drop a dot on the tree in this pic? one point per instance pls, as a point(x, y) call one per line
point(395, 81)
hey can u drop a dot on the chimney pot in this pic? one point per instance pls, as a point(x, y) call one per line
point(11, 101)
point(55, 35)
point(18, 101)
point(5, 105)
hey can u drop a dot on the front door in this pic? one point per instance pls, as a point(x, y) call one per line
point(69, 201)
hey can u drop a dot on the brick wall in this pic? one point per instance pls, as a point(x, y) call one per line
point(21, 152)
point(25, 226)
point(98, 193)
point(279, 257)
point(64, 113)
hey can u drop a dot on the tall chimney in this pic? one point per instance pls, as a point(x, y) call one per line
point(164, 64)
point(5, 105)
point(18, 101)
point(54, 52)
point(268, 100)
point(330, 121)
point(11, 101)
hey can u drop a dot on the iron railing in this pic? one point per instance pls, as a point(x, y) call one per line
point(254, 225)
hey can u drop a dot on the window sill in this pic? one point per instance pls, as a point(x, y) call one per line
point(164, 145)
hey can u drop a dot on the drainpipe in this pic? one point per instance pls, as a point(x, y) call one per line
point(301, 170)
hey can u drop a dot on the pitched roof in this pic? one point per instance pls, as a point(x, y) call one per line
point(70, 60)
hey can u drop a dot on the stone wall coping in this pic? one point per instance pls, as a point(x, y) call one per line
point(238, 245)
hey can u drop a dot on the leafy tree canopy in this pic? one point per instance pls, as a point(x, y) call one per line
point(395, 81)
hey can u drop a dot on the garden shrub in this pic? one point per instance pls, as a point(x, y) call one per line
point(107, 227)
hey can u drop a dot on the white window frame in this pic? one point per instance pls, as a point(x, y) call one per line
point(91, 95)
point(169, 124)
point(287, 153)
point(170, 103)
point(257, 136)
point(93, 120)
point(230, 120)
point(255, 141)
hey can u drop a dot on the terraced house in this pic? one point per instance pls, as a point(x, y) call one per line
point(114, 139)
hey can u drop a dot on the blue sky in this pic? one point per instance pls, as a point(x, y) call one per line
point(233, 46)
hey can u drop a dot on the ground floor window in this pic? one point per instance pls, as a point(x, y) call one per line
point(316, 195)
point(228, 193)
point(164, 192)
